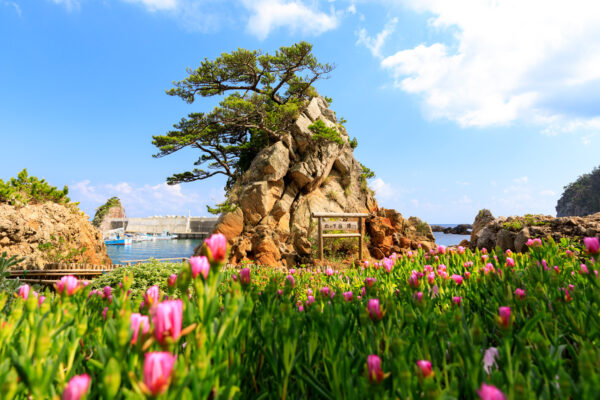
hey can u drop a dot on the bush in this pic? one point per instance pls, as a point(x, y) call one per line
point(144, 276)
point(25, 189)
point(322, 133)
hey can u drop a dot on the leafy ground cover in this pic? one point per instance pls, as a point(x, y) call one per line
point(445, 324)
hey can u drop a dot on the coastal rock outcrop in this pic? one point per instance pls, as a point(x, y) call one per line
point(514, 232)
point(294, 177)
point(49, 232)
point(111, 209)
point(392, 233)
point(461, 229)
point(581, 197)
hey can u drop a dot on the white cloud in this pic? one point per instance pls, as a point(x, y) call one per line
point(156, 5)
point(145, 200)
point(268, 15)
point(462, 183)
point(464, 200)
point(382, 189)
point(548, 193)
point(14, 5)
point(351, 9)
point(68, 4)
point(536, 61)
point(522, 179)
point(374, 44)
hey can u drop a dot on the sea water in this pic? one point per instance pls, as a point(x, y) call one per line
point(183, 248)
point(449, 239)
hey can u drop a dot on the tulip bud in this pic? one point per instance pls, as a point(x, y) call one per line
point(425, 368)
point(376, 374)
point(77, 387)
point(504, 316)
point(490, 392)
point(157, 371)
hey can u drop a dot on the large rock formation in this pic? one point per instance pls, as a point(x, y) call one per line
point(513, 232)
point(285, 183)
point(581, 197)
point(50, 232)
point(390, 233)
point(111, 209)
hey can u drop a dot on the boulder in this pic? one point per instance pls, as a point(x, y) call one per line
point(481, 220)
point(43, 233)
point(231, 224)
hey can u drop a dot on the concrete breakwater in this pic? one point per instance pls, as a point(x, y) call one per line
point(183, 227)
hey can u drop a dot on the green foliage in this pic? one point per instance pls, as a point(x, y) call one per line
point(254, 341)
point(144, 275)
point(268, 92)
point(354, 143)
point(103, 210)
point(322, 133)
point(582, 195)
point(329, 100)
point(367, 173)
point(25, 189)
point(518, 223)
point(221, 208)
point(6, 264)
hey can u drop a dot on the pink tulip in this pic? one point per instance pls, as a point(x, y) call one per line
point(457, 279)
point(77, 387)
point(41, 299)
point(584, 269)
point(592, 245)
point(484, 251)
point(510, 262)
point(467, 274)
point(441, 249)
point(292, 271)
point(158, 367)
point(504, 313)
point(366, 264)
point(328, 272)
point(107, 291)
point(325, 291)
point(217, 244)
point(24, 291)
point(290, 281)
point(309, 300)
point(245, 276)
point(376, 374)
point(431, 277)
point(374, 309)
point(152, 295)
point(520, 293)
point(67, 285)
point(369, 282)
point(139, 321)
point(199, 265)
point(490, 392)
point(104, 312)
point(172, 280)
point(461, 250)
point(419, 296)
point(167, 320)
point(457, 300)
point(301, 308)
point(425, 368)
point(388, 263)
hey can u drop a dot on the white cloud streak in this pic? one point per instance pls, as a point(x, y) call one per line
point(536, 61)
point(145, 200)
point(269, 15)
point(374, 44)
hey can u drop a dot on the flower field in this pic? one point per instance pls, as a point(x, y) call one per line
point(446, 324)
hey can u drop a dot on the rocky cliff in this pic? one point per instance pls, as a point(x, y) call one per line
point(289, 180)
point(581, 197)
point(514, 232)
point(111, 209)
point(50, 232)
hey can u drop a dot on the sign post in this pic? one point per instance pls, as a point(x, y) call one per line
point(340, 226)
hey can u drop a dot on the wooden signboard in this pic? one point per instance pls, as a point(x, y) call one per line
point(340, 226)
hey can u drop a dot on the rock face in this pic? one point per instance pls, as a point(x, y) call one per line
point(513, 232)
point(581, 197)
point(285, 183)
point(390, 233)
point(461, 229)
point(49, 232)
point(116, 211)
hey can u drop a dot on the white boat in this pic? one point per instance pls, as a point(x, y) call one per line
point(164, 236)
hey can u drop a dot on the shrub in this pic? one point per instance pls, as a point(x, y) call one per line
point(25, 189)
point(322, 133)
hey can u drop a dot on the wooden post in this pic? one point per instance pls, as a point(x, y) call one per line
point(360, 239)
point(320, 238)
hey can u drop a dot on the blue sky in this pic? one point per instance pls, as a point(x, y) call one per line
point(456, 107)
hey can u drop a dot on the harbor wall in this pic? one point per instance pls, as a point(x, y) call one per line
point(157, 225)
